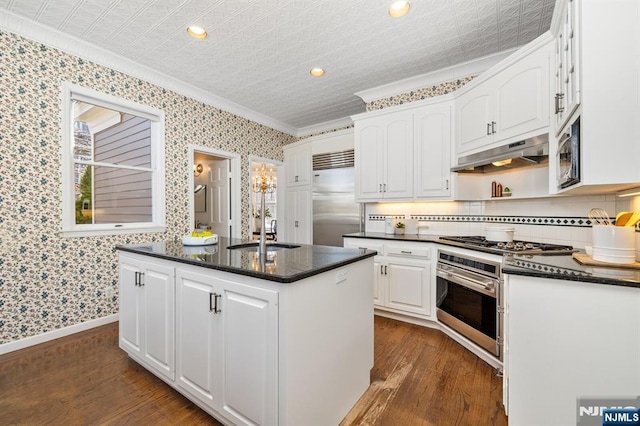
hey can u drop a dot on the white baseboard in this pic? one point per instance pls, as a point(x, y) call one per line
point(5, 348)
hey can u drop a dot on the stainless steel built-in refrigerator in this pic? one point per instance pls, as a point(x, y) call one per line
point(335, 211)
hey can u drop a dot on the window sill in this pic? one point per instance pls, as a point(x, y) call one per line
point(113, 231)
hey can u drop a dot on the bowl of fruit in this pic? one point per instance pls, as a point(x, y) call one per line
point(200, 237)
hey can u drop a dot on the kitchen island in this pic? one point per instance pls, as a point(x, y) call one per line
point(281, 339)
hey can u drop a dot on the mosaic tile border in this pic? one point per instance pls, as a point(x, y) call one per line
point(577, 221)
point(554, 270)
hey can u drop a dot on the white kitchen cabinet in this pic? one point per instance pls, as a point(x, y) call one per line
point(607, 102)
point(298, 163)
point(384, 157)
point(566, 66)
point(567, 340)
point(510, 102)
point(227, 350)
point(402, 275)
point(432, 147)
point(299, 215)
point(147, 313)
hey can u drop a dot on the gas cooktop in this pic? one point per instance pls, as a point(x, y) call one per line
point(525, 247)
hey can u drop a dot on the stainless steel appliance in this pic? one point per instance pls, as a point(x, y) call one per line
point(476, 242)
point(568, 156)
point(528, 152)
point(335, 211)
point(468, 298)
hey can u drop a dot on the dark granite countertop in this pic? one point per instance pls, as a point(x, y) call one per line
point(283, 265)
point(562, 267)
point(566, 268)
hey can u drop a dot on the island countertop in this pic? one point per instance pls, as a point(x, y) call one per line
point(283, 265)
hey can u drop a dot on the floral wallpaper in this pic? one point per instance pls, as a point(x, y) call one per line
point(47, 281)
point(417, 95)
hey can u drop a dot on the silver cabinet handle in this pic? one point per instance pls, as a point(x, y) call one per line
point(213, 303)
point(488, 129)
point(380, 190)
point(405, 251)
point(493, 127)
point(385, 269)
point(381, 268)
point(138, 279)
point(447, 184)
point(385, 187)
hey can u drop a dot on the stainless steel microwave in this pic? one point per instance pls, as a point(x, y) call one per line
point(568, 157)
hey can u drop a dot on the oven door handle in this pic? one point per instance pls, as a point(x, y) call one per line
point(468, 282)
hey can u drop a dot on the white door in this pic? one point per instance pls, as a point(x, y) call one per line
point(474, 111)
point(219, 197)
point(159, 315)
point(432, 151)
point(398, 169)
point(369, 161)
point(130, 326)
point(249, 348)
point(409, 286)
point(198, 334)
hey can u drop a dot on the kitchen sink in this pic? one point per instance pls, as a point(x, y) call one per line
point(270, 247)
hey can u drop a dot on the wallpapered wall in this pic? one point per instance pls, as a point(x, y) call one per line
point(49, 282)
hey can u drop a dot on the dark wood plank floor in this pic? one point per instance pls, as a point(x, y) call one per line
point(420, 377)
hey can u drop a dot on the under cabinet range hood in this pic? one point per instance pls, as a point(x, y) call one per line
point(529, 152)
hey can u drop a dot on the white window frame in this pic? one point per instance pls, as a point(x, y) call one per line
point(69, 227)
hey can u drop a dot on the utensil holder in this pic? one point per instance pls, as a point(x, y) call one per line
point(614, 244)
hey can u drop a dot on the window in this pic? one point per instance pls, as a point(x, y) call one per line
point(113, 165)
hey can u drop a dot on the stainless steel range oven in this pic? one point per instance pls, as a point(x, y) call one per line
point(469, 298)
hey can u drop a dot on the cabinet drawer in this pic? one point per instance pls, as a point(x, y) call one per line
point(416, 250)
point(364, 243)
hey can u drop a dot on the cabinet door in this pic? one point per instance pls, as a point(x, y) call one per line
point(398, 156)
point(379, 281)
point(299, 219)
point(298, 163)
point(198, 337)
point(473, 118)
point(369, 142)
point(249, 349)
point(522, 97)
point(432, 148)
point(159, 316)
point(409, 286)
point(131, 316)
point(378, 267)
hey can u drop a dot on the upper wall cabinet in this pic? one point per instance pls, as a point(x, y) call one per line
point(604, 40)
point(404, 153)
point(297, 159)
point(566, 64)
point(384, 157)
point(432, 147)
point(510, 102)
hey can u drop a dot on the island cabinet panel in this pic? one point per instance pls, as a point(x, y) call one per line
point(147, 313)
point(227, 348)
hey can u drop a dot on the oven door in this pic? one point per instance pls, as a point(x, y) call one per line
point(468, 307)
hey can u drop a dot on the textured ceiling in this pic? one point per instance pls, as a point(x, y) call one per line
point(259, 52)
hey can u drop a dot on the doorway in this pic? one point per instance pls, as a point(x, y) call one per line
point(273, 214)
point(213, 204)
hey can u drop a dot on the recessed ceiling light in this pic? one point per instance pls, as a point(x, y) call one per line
point(317, 72)
point(196, 31)
point(399, 8)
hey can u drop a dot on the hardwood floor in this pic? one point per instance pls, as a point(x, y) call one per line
point(420, 377)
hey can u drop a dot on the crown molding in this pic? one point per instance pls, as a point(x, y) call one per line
point(80, 48)
point(324, 127)
point(465, 69)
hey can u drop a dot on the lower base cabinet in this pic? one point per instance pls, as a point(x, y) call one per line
point(402, 276)
point(147, 313)
point(227, 352)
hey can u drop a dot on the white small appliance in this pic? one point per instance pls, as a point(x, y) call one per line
point(389, 225)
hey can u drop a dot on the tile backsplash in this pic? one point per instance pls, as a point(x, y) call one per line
point(559, 220)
